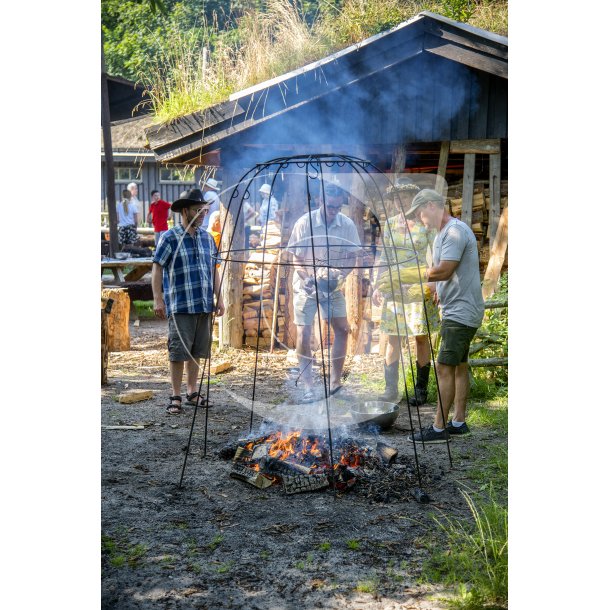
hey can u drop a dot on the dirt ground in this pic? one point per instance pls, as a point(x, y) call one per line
point(221, 543)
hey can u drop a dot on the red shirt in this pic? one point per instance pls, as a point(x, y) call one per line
point(159, 215)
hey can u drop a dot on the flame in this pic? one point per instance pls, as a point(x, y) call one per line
point(310, 451)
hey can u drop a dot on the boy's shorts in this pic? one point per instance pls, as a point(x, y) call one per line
point(190, 336)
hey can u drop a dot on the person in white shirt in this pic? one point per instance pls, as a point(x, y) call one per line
point(269, 205)
point(326, 243)
point(210, 195)
point(127, 216)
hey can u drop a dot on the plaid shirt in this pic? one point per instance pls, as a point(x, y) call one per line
point(188, 267)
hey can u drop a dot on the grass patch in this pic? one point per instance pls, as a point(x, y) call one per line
point(473, 556)
point(353, 545)
point(492, 414)
point(120, 552)
point(324, 547)
point(144, 309)
point(215, 542)
point(225, 567)
point(368, 586)
point(493, 472)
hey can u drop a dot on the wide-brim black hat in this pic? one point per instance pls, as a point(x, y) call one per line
point(190, 197)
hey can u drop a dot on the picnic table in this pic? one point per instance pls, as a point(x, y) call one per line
point(140, 267)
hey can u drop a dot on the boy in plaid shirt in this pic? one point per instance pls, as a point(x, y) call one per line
point(185, 281)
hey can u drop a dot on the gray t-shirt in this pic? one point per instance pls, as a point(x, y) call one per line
point(460, 296)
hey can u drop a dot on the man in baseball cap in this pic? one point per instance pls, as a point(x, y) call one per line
point(455, 270)
point(185, 282)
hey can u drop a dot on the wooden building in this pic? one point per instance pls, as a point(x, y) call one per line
point(429, 95)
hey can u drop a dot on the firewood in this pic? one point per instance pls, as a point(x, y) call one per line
point(220, 367)
point(134, 396)
point(243, 473)
point(294, 484)
point(388, 454)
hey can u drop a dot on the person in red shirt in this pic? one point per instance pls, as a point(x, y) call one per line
point(158, 214)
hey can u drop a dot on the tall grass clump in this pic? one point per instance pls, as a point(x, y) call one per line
point(198, 70)
point(355, 20)
point(473, 556)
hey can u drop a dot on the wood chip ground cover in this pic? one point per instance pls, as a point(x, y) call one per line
point(221, 543)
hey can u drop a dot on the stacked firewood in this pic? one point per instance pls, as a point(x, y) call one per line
point(480, 206)
point(259, 277)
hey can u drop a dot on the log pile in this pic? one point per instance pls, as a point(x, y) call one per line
point(480, 212)
point(259, 278)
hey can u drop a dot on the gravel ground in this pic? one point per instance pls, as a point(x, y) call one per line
point(217, 542)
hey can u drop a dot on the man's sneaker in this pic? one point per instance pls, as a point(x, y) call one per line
point(462, 430)
point(430, 435)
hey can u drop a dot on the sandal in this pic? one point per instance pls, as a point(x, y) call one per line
point(172, 408)
point(190, 400)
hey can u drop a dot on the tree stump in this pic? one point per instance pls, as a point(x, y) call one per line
point(118, 319)
point(104, 347)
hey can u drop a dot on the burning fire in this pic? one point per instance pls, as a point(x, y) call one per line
point(302, 461)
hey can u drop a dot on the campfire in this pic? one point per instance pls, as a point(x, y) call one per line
point(301, 461)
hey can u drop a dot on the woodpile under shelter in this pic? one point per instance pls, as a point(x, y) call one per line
point(427, 96)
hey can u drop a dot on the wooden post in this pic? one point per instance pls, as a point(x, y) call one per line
point(496, 258)
point(494, 195)
point(118, 319)
point(440, 186)
point(104, 345)
point(353, 284)
point(468, 188)
point(399, 158)
point(232, 282)
point(110, 194)
point(295, 198)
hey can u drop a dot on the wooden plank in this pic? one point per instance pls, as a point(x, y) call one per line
point(137, 273)
point(460, 97)
point(220, 367)
point(495, 164)
point(479, 94)
point(496, 259)
point(441, 184)
point(458, 36)
point(468, 188)
point(454, 52)
point(482, 147)
point(131, 396)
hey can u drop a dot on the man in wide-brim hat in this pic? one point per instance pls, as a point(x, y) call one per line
point(185, 283)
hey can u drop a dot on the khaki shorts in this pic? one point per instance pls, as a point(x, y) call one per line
point(190, 336)
point(305, 307)
point(455, 342)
